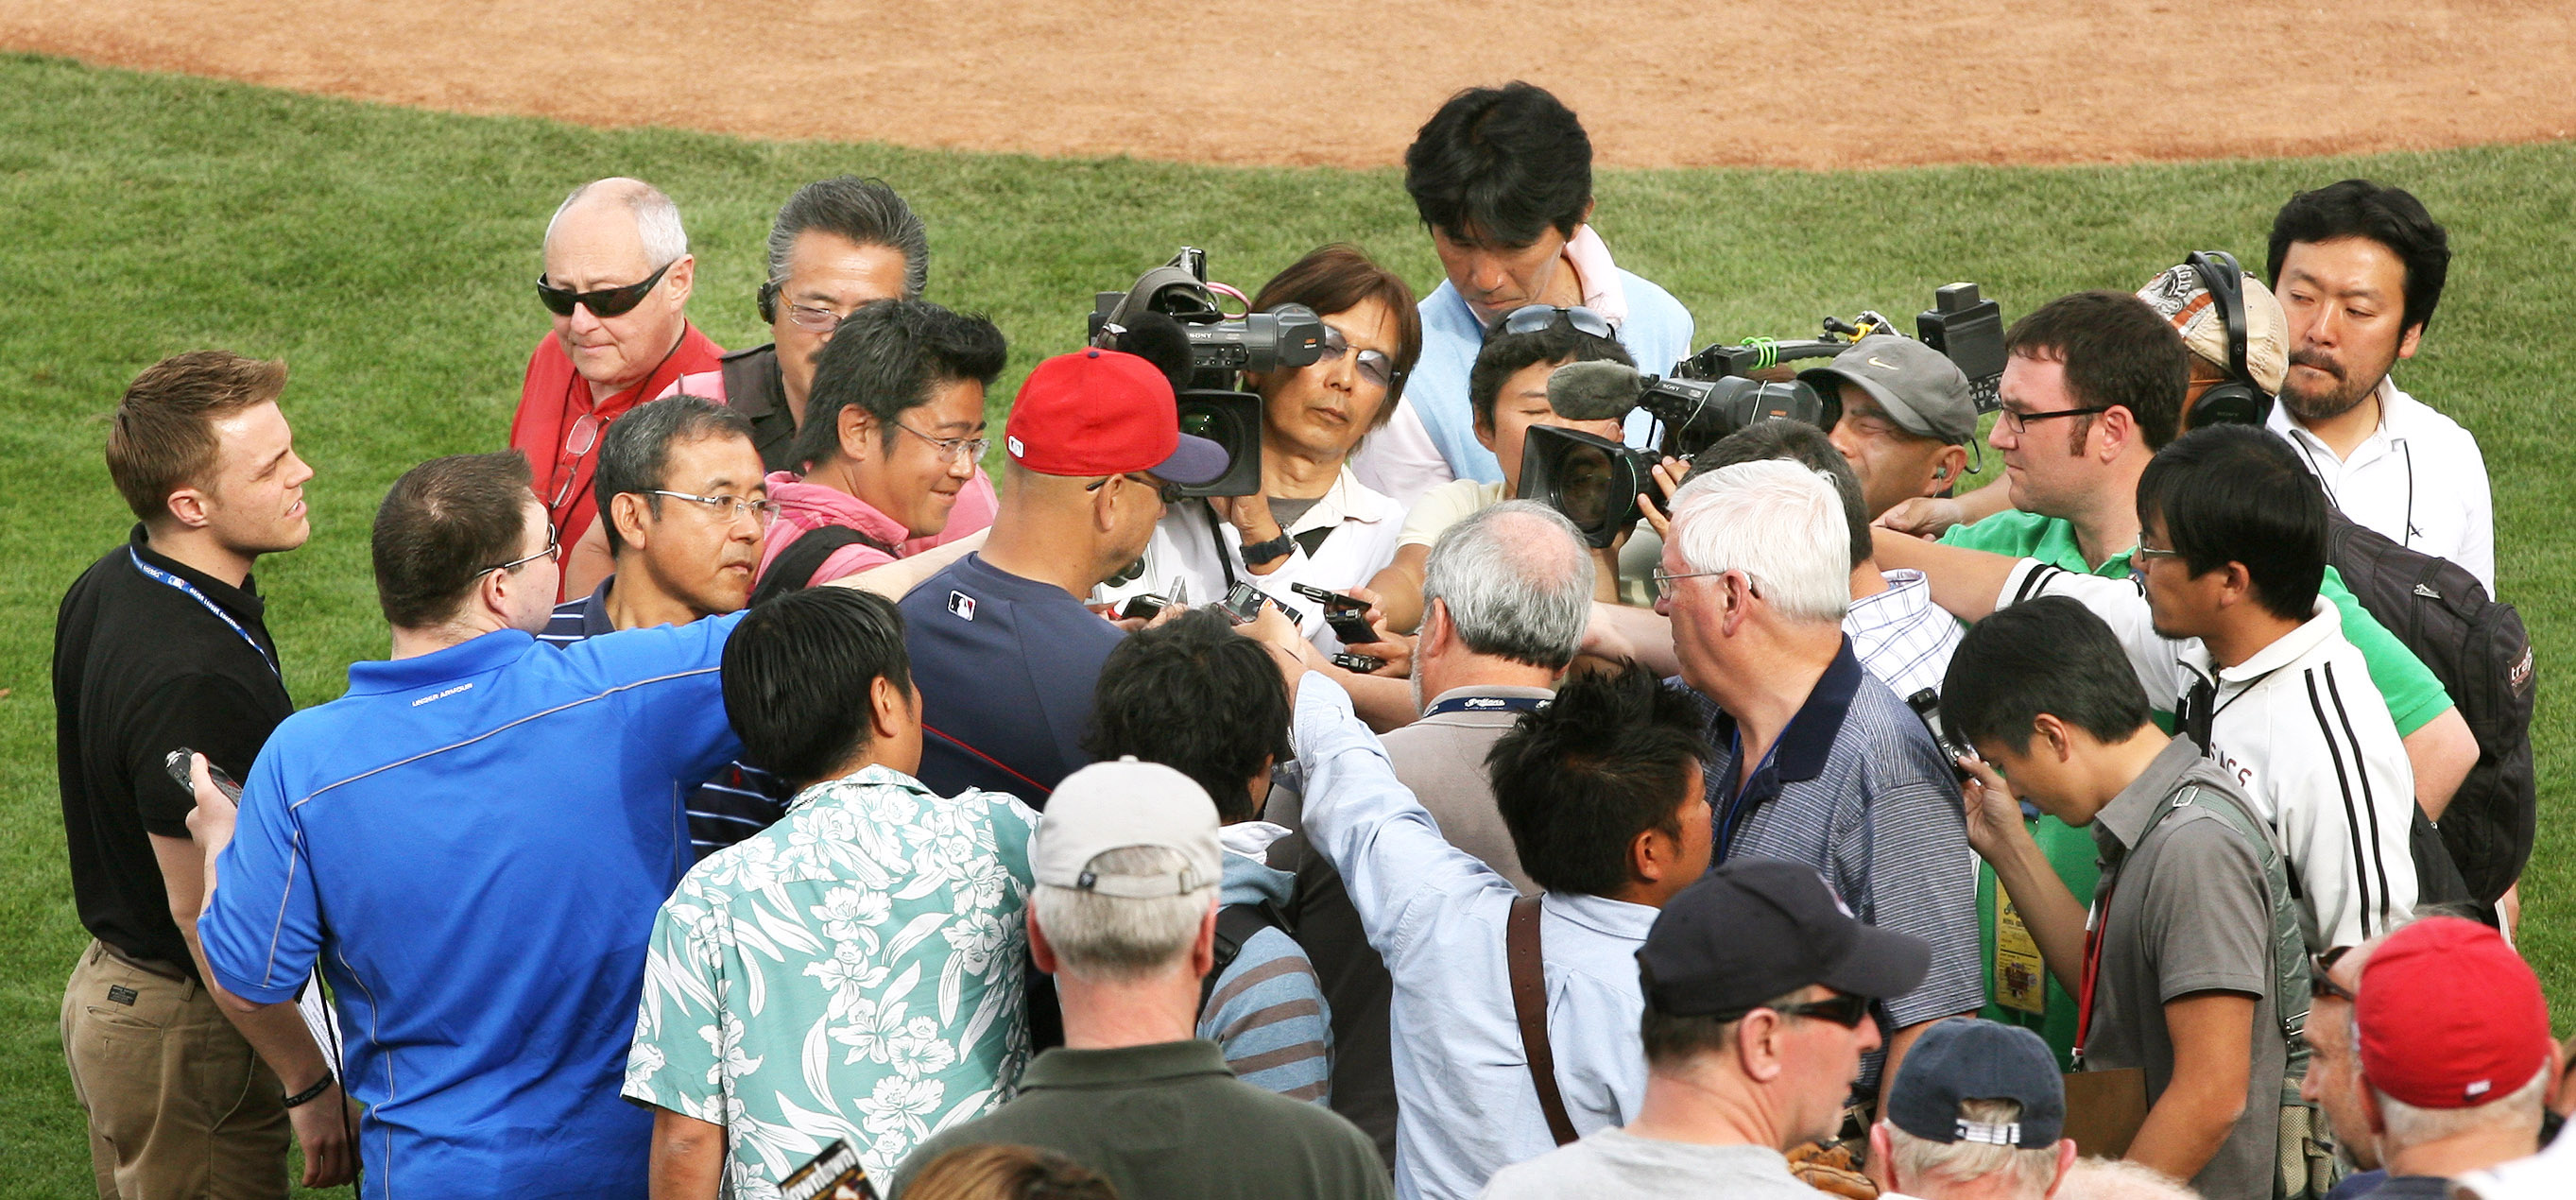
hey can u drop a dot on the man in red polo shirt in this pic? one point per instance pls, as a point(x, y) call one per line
point(617, 280)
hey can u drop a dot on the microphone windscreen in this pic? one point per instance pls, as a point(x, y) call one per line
point(1594, 391)
point(1160, 340)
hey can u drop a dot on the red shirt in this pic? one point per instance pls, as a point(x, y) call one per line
point(554, 397)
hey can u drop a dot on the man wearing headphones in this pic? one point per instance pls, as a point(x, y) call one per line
point(1907, 418)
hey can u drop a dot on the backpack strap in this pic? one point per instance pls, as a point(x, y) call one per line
point(1529, 1003)
point(793, 569)
point(1235, 925)
point(2289, 944)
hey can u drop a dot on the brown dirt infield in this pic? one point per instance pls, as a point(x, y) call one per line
point(1340, 82)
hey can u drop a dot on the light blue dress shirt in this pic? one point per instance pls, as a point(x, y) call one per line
point(1436, 914)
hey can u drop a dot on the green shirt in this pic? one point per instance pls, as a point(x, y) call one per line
point(1170, 1120)
point(2413, 694)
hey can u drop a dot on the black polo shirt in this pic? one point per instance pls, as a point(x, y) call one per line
point(143, 667)
point(754, 389)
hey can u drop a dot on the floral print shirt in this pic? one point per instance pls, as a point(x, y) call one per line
point(852, 972)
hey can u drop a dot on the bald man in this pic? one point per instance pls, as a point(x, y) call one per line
point(617, 278)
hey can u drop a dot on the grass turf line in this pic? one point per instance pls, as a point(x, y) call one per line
point(386, 255)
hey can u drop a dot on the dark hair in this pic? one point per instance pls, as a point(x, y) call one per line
point(1338, 278)
point(1672, 1039)
point(2238, 493)
point(635, 453)
point(1195, 696)
point(798, 672)
point(1578, 780)
point(441, 526)
point(2117, 351)
point(2389, 216)
point(2049, 655)
point(1507, 354)
point(161, 437)
point(885, 358)
point(1807, 446)
point(866, 211)
point(1501, 165)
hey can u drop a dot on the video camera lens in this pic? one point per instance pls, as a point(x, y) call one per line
point(1592, 480)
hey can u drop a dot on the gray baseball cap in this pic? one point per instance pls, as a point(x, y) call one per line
point(1919, 387)
point(1115, 805)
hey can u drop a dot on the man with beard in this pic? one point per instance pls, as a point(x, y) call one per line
point(2359, 268)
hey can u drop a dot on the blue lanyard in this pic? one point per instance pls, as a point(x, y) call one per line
point(1488, 704)
point(157, 575)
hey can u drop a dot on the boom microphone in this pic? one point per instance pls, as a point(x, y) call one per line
point(1594, 391)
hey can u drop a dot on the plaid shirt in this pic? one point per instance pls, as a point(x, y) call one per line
point(1901, 637)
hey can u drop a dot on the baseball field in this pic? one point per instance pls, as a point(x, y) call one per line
point(361, 191)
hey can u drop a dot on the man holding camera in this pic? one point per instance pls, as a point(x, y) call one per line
point(617, 279)
point(1004, 650)
point(1502, 178)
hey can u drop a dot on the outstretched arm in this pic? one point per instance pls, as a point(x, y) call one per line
point(1965, 582)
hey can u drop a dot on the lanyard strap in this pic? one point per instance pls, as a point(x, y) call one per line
point(2094, 923)
point(157, 575)
point(1487, 704)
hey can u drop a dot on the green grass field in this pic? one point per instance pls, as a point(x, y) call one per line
point(386, 255)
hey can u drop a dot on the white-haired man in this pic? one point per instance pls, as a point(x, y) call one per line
point(1127, 864)
point(617, 278)
point(1816, 762)
point(2456, 1057)
point(1976, 1114)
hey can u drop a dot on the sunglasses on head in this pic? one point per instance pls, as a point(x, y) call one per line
point(2320, 985)
point(606, 302)
point(1531, 318)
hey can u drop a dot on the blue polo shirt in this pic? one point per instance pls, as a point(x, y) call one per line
point(473, 844)
point(1005, 667)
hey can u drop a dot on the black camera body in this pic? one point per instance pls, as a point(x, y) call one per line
point(1592, 480)
point(1214, 404)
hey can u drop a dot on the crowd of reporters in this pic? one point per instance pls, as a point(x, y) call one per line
point(755, 791)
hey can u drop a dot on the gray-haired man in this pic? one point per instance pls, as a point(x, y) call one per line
point(1506, 593)
point(1127, 864)
point(1976, 1113)
point(837, 244)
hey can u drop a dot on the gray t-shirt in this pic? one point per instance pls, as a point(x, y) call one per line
point(2187, 913)
point(1613, 1164)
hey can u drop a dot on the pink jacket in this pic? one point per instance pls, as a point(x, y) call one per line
point(805, 507)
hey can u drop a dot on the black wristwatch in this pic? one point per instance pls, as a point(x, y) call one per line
point(313, 1093)
point(1256, 553)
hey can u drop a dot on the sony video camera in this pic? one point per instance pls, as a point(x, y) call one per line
point(1595, 481)
point(1214, 404)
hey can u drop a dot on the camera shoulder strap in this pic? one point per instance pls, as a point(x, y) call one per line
point(1529, 1004)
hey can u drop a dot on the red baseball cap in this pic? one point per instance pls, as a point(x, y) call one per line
point(1101, 412)
point(2450, 1016)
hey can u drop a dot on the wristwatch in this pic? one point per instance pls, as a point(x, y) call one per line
point(1255, 553)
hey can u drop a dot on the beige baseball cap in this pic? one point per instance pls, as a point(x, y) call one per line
point(1116, 805)
point(2178, 297)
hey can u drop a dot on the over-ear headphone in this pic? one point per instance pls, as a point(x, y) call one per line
point(768, 301)
point(2237, 399)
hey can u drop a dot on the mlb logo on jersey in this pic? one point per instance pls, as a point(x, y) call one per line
point(962, 604)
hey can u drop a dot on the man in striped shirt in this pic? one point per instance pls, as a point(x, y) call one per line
point(683, 504)
point(2222, 610)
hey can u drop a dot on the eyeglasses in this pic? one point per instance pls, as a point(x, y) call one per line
point(1170, 492)
point(1531, 318)
point(2017, 420)
point(578, 440)
point(552, 548)
point(816, 320)
point(950, 448)
point(1374, 365)
point(2140, 557)
point(606, 302)
point(727, 509)
point(1843, 1010)
point(2322, 986)
point(1664, 579)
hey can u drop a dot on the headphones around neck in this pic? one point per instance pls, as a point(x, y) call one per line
point(2237, 399)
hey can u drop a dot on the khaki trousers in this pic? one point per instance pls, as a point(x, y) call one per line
point(179, 1106)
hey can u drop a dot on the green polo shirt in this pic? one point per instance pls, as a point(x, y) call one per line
point(1171, 1120)
point(2413, 694)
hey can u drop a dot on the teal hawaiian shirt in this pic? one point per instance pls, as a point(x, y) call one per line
point(852, 972)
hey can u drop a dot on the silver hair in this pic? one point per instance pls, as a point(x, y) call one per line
point(867, 212)
point(657, 219)
point(1517, 580)
point(1780, 524)
point(1921, 1162)
point(2409, 1126)
point(2120, 1179)
point(1118, 938)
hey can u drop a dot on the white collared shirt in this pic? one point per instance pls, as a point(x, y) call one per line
point(2302, 728)
point(2417, 479)
point(1186, 543)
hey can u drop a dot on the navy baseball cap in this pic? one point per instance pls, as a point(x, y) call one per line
point(1754, 930)
point(1967, 1059)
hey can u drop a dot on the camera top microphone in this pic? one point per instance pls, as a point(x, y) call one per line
point(1160, 340)
point(1594, 391)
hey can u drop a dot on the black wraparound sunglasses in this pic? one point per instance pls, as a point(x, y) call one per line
point(606, 302)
